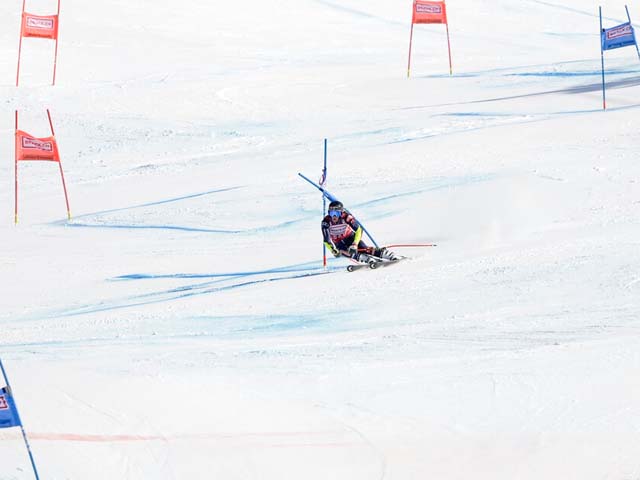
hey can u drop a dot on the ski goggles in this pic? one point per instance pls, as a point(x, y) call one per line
point(335, 213)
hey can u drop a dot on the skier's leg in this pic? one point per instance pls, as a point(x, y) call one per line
point(346, 244)
point(364, 252)
point(342, 246)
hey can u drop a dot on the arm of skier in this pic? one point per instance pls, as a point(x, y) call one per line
point(327, 239)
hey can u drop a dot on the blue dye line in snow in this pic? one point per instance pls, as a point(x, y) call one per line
point(279, 323)
point(214, 326)
point(150, 227)
point(146, 276)
point(270, 228)
point(530, 70)
point(540, 117)
point(542, 74)
point(185, 292)
point(460, 130)
point(160, 202)
point(593, 87)
point(591, 73)
point(76, 224)
point(187, 288)
point(73, 223)
point(501, 70)
point(242, 324)
point(188, 293)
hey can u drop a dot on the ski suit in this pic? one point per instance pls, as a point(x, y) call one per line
point(339, 236)
point(342, 233)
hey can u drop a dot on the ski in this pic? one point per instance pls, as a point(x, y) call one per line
point(372, 265)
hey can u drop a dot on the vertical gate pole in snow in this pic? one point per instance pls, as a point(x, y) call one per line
point(39, 26)
point(15, 169)
point(410, 43)
point(64, 185)
point(619, 36)
point(323, 181)
point(30, 148)
point(449, 49)
point(55, 56)
point(429, 11)
point(604, 100)
point(24, 435)
point(629, 17)
point(20, 43)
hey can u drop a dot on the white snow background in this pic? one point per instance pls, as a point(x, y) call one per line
point(181, 325)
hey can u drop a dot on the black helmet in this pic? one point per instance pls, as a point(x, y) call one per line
point(336, 205)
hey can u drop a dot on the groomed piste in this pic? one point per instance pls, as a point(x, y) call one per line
point(167, 308)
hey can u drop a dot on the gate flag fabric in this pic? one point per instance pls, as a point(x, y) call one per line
point(617, 37)
point(9, 416)
point(8, 413)
point(39, 26)
point(429, 11)
point(30, 148)
point(622, 35)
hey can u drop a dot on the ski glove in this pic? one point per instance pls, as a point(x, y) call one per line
point(334, 251)
point(353, 248)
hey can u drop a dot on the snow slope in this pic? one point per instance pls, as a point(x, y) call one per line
point(181, 325)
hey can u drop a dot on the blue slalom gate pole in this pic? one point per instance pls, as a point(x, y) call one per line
point(323, 181)
point(328, 195)
point(24, 435)
point(634, 36)
point(604, 98)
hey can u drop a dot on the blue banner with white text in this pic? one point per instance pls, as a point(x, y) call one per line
point(617, 37)
point(8, 412)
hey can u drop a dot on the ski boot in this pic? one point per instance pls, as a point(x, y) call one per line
point(386, 254)
point(369, 259)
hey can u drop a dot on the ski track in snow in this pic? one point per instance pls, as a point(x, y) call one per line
point(476, 361)
point(161, 202)
point(594, 87)
point(181, 293)
point(542, 70)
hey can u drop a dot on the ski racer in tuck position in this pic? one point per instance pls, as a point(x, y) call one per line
point(342, 235)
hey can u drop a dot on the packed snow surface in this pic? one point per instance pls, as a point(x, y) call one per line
point(182, 326)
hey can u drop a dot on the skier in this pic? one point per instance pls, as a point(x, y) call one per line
point(342, 235)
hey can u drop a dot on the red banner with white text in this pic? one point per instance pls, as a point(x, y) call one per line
point(39, 26)
point(29, 147)
point(425, 11)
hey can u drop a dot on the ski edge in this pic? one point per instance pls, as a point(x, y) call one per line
point(373, 265)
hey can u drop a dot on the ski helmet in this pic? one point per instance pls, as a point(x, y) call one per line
point(336, 206)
